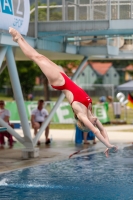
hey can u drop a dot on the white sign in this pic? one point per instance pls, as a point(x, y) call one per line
point(16, 14)
point(100, 112)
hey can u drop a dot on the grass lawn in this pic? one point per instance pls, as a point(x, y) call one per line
point(62, 126)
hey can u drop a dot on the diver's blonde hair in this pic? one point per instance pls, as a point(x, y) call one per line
point(81, 126)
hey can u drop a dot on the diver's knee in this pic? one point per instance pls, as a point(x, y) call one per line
point(37, 58)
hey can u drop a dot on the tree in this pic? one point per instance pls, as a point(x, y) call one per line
point(5, 81)
point(55, 14)
point(27, 71)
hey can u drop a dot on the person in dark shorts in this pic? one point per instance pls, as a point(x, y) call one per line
point(5, 115)
point(38, 116)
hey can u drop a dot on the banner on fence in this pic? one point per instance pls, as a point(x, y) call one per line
point(64, 113)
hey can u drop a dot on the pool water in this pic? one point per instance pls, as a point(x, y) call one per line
point(91, 177)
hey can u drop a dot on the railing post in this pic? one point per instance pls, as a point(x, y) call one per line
point(118, 13)
point(78, 4)
point(87, 17)
point(75, 11)
point(66, 10)
point(63, 10)
point(47, 10)
point(131, 9)
point(109, 6)
point(36, 18)
point(90, 8)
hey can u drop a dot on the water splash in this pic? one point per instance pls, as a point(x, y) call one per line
point(3, 182)
point(42, 186)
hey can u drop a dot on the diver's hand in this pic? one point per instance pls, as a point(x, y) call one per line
point(112, 149)
point(106, 152)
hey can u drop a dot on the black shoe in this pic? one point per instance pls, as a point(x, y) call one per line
point(38, 143)
point(48, 141)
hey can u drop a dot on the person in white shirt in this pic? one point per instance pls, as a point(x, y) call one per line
point(38, 116)
point(5, 115)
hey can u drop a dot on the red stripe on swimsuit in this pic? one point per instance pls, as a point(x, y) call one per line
point(78, 93)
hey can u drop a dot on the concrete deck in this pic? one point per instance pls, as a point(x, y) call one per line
point(61, 147)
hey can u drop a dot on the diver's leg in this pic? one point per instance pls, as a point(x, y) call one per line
point(46, 65)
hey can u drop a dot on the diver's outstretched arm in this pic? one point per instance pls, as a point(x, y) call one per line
point(101, 135)
point(102, 130)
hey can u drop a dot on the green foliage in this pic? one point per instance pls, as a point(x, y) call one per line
point(99, 80)
point(130, 72)
point(27, 71)
point(4, 78)
point(55, 13)
point(64, 63)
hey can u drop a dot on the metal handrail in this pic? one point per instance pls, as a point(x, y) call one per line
point(110, 8)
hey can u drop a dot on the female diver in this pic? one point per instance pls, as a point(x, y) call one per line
point(80, 102)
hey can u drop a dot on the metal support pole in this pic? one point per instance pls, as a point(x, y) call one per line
point(19, 97)
point(11, 131)
point(2, 54)
point(3, 66)
point(36, 18)
point(62, 96)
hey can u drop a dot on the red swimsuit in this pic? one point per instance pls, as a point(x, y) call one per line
point(78, 94)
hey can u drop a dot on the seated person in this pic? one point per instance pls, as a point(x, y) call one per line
point(89, 136)
point(81, 135)
point(38, 116)
point(5, 115)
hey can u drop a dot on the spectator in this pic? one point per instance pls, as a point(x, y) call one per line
point(5, 115)
point(30, 97)
point(80, 136)
point(38, 116)
point(89, 136)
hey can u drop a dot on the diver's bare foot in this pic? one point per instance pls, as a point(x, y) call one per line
point(15, 34)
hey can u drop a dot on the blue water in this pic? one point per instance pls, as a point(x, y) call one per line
point(91, 177)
